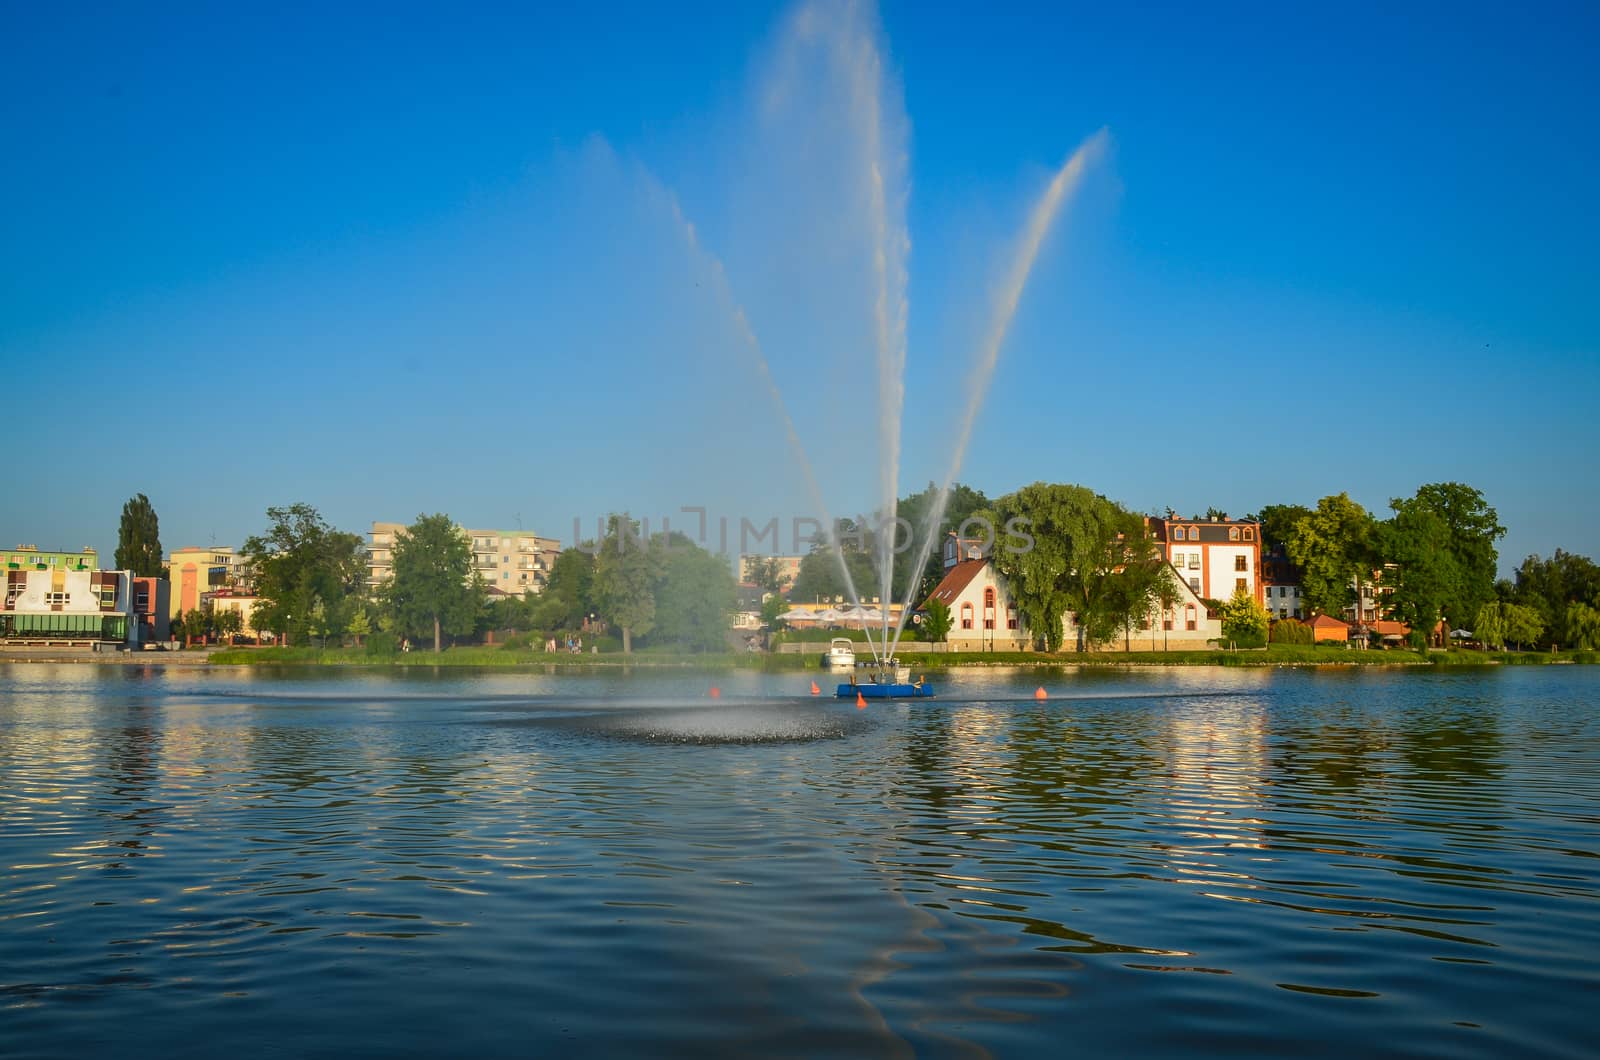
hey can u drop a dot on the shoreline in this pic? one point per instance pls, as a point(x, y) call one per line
point(499, 660)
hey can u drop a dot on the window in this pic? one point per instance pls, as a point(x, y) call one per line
point(1194, 583)
point(1011, 618)
point(1239, 563)
point(1249, 533)
point(1177, 533)
point(966, 616)
point(1233, 533)
point(505, 575)
point(1194, 561)
point(1194, 533)
point(56, 599)
point(1239, 585)
point(1166, 622)
point(1189, 618)
point(988, 608)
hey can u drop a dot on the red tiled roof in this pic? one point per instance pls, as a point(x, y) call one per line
point(1326, 622)
point(956, 581)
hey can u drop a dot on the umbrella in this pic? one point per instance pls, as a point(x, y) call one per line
point(827, 614)
point(1461, 634)
point(798, 614)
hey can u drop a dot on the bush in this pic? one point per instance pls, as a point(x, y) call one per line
point(382, 643)
point(1292, 631)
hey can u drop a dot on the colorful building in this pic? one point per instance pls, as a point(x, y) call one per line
point(194, 571)
point(29, 557)
point(69, 607)
point(1213, 557)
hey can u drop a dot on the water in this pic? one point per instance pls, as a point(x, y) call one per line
point(1166, 863)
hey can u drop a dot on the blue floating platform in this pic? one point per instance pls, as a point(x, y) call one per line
point(880, 691)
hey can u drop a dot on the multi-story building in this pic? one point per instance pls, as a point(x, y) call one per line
point(194, 571)
point(29, 557)
point(1213, 557)
point(514, 562)
point(69, 606)
point(1280, 585)
point(788, 567)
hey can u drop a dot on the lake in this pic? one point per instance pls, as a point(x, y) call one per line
point(1168, 862)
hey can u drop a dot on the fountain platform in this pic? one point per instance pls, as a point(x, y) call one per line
point(881, 690)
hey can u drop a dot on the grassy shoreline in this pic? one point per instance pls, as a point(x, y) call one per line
point(503, 659)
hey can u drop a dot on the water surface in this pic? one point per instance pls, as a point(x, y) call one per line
point(1175, 862)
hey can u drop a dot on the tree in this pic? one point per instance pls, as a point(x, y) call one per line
point(936, 621)
point(1244, 621)
point(1425, 576)
point(1277, 523)
point(625, 573)
point(1490, 625)
point(229, 623)
point(694, 596)
point(568, 597)
point(1090, 557)
point(766, 573)
point(916, 509)
point(139, 539)
point(1550, 586)
point(1471, 528)
point(360, 625)
point(773, 606)
point(1332, 546)
point(820, 579)
point(1523, 624)
point(302, 561)
point(434, 588)
point(1582, 624)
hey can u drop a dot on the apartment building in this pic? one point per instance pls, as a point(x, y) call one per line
point(514, 562)
point(1213, 557)
point(193, 571)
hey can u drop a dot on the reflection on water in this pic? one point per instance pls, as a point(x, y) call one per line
point(1181, 863)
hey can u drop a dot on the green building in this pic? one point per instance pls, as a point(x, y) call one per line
point(28, 557)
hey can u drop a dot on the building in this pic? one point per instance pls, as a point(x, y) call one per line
point(1280, 585)
point(788, 568)
point(70, 607)
point(1213, 557)
point(152, 609)
point(1325, 629)
point(231, 598)
point(29, 557)
point(513, 561)
point(983, 617)
point(193, 571)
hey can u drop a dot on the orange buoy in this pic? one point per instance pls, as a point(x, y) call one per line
point(1040, 693)
point(861, 701)
point(814, 688)
point(716, 693)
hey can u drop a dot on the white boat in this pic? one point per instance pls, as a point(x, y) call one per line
point(841, 654)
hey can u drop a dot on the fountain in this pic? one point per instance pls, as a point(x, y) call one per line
point(853, 51)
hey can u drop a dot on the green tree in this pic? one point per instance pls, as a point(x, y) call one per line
point(820, 578)
point(1332, 546)
point(625, 574)
point(299, 562)
point(766, 574)
point(773, 606)
point(1523, 624)
point(917, 509)
point(1471, 529)
point(1083, 546)
point(694, 596)
point(139, 539)
point(228, 624)
point(936, 621)
point(360, 624)
point(1550, 586)
point(1582, 625)
point(1426, 575)
point(568, 597)
point(434, 588)
point(1277, 523)
point(1244, 621)
point(1490, 625)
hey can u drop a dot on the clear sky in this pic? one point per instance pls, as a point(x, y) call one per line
point(390, 259)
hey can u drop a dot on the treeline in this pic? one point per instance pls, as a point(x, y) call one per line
point(312, 584)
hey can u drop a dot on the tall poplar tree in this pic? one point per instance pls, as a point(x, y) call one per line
point(139, 538)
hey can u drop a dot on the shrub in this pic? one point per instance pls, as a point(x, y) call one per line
point(1292, 631)
point(383, 643)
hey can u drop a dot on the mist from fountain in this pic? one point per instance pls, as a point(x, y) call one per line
point(1067, 179)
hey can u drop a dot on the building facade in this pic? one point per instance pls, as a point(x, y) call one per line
point(31, 557)
point(1280, 585)
point(983, 617)
point(193, 571)
point(513, 561)
point(1213, 557)
point(69, 607)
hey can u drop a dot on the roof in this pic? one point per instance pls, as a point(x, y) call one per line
point(1390, 628)
point(1326, 622)
point(956, 581)
point(1204, 531)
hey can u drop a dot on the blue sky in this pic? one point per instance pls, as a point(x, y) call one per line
point(399, 259)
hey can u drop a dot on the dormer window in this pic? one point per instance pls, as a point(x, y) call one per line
point(1177, 533)
point(1249, 533)
point(1233, 533)
point(1194, 533)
